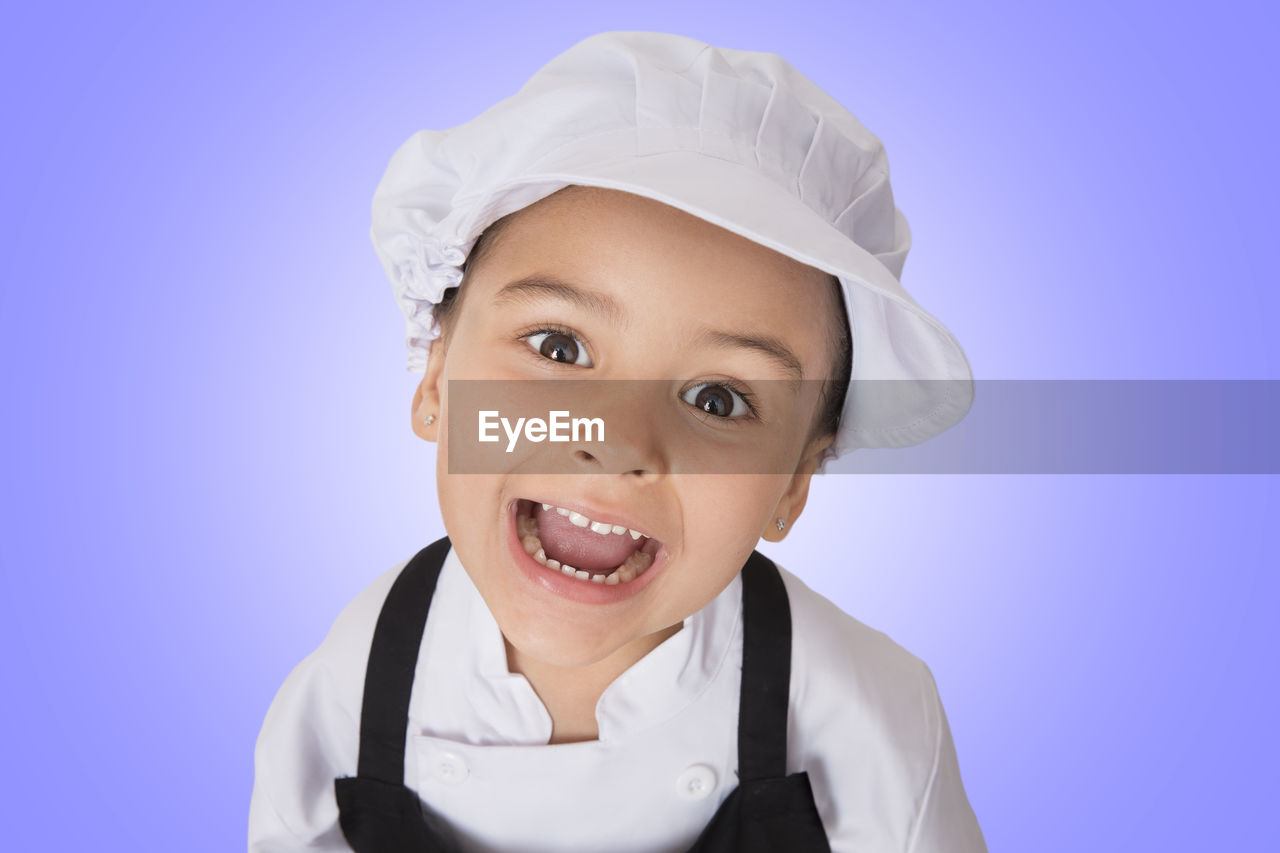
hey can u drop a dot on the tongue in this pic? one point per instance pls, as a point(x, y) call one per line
point(581, 547)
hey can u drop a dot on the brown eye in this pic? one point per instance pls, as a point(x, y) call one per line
point(558, 346)
point(717, 400)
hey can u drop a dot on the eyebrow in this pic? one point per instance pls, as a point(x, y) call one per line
point(534, 287)
point(768, 345)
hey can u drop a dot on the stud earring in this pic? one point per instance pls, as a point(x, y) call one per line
point(429, 420)
point(782, 525)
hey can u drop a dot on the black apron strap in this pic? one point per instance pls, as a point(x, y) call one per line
point(377, 812)
point(766, 672)
point(769, 811)
point(393, 657)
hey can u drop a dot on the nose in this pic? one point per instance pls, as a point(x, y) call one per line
point(632, 443)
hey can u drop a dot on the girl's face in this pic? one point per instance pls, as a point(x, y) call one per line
point(601, 284)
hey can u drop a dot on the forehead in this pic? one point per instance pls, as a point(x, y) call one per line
point(649, 255)
point(613, 219)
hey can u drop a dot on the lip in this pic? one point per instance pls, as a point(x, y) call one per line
point(597, 515)
point(584, 592)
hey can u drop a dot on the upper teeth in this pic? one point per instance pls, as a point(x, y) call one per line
point(601, 527)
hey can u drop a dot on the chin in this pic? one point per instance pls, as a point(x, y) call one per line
point(568, 647)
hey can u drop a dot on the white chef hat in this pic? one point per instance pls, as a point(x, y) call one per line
point(738, 138)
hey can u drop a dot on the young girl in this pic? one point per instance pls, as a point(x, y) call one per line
point(595, 658)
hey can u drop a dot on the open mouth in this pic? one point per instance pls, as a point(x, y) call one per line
point(568, 542)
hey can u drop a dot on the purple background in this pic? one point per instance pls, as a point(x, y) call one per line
point(207, 447)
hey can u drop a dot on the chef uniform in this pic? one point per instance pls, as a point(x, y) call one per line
point(705, 744)
point(744, 141)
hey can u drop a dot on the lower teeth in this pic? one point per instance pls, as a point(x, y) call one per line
point(630, 569)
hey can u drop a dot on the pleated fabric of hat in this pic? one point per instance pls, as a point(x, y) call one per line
point(738, 138)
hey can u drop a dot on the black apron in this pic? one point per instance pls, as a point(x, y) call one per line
point(769, 811)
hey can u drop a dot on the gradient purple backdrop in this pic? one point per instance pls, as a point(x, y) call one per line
point(206, 427)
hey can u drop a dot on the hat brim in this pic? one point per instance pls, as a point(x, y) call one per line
point(910, 379)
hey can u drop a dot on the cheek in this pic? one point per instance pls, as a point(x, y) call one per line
point(722, 519)
point(468, 506)
point(725, 514)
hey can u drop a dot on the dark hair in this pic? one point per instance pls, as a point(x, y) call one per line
point(834, 391)
point(836, 388)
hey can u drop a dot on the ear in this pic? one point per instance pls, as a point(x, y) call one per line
point(427, 396)
point(792, 502)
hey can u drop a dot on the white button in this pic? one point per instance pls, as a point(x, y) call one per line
point(450, 769)
point(696, 782)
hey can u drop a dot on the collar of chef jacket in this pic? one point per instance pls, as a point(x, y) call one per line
point(477, 700)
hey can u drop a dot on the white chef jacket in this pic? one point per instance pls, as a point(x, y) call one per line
point(864, 720)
